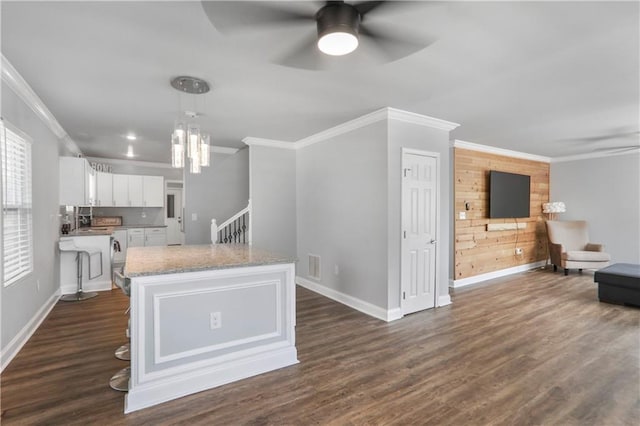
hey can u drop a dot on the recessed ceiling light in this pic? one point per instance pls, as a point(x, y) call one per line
point(130, 152)
point(131, 137)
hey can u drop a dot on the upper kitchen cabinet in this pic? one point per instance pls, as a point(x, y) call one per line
point(121, 190)
point(136, 194)
point(104, 189)
point(138, 191)
point(77, 182)
point(153, 191)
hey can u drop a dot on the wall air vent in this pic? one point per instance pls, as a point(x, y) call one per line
point(314, 266)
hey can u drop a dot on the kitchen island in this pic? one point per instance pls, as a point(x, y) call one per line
point(203, 316)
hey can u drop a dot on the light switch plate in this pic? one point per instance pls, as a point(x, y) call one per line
point(194, 216)
point(462, 215)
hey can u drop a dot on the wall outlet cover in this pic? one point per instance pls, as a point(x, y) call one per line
point(463, 215)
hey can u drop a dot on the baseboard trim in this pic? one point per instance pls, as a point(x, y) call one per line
point(95, 286)
point(16, 344)
point(350, 301)
point(143, 396)
point(444, 300)
point(495, 274)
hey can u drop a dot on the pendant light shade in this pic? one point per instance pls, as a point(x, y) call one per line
point(187, 139)
point(177, 151)
point(205, 151)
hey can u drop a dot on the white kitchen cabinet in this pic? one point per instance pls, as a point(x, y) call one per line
point(77, 182)
point(155, 237)
point(146, 237)
point(136, 191)
point(153, 191)
point(135, 237)
point(121, 190)
point(104, 189)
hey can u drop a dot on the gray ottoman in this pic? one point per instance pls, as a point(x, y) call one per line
point(619, 284)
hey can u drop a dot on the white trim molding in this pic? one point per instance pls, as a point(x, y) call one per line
point(422, 120)
point(271, 143)
point(495, 274)
point(23, 336)
point(385, 113)
point(352, 302)
point(444, 300)
point(499, 151)
point(20, 87)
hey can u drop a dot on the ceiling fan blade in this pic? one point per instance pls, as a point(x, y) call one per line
point(393, 44)
point(305, 55)
point(365, 7)
point(600, 138)
point(617, 149)
point(228, 16)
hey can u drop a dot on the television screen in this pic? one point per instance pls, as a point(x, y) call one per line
point(508, 195)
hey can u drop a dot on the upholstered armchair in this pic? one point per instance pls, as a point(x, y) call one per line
point(569, 246)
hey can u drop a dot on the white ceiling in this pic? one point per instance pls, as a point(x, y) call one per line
point(539, 77)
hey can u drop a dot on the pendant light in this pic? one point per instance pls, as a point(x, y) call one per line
point(187, 139)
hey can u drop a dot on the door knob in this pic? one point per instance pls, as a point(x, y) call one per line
point(432, 242)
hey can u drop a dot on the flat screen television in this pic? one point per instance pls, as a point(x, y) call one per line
point(508, 195)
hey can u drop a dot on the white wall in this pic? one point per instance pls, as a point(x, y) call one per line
point(415, 136)
point(605, 192)
point(218, 192)
point(342, 212)
point(273, 199)
point(23, 303)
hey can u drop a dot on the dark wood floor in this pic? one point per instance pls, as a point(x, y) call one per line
point(533, 348)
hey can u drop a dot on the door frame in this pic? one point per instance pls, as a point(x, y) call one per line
point(166, 188)
point(436, 155)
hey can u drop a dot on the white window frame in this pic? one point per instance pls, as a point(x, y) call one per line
point(21, 198)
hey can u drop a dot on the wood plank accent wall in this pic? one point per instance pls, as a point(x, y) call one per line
point(478, 251)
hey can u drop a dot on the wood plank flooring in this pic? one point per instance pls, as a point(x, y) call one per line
point(531, 349)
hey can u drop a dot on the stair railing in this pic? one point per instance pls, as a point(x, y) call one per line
point(235, 230)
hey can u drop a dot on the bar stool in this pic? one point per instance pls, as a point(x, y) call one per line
point(69, 246)
point(120, 380)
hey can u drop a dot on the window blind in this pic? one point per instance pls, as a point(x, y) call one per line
point(16, 205)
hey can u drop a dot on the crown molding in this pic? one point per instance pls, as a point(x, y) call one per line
point(252, 141)
point(386, 113)
point(223, 150)
point(422, 120)
point(20, 87)
point(601, 154)
point(499, 151)
point(343, 128)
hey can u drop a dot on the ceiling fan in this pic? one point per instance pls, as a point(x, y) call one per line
point(618, 134)
point(336, 31)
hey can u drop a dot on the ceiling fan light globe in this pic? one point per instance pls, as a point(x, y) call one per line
point(337, 43)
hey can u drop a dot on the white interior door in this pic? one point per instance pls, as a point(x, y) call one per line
point(173, 216)
point(419, 231)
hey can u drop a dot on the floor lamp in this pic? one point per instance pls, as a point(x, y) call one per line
point(551, 210)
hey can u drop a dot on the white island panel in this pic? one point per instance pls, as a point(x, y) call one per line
point(178, 349)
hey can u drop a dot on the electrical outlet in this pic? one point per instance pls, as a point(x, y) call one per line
point(38, 285)
point(519, 250)
point(462, 215)
point(336, 270)
point(194, 216)
point(215, 320)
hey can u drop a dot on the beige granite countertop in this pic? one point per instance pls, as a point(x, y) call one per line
point(176, 259)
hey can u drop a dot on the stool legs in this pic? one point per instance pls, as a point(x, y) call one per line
point(120, 380)
point(79, 294)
